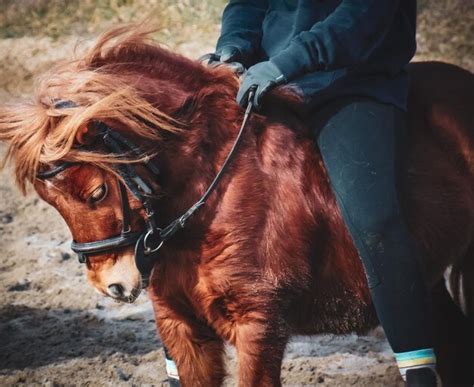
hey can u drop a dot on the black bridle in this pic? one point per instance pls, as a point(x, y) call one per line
point(148, 241)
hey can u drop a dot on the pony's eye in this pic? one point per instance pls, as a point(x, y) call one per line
point(98, 194)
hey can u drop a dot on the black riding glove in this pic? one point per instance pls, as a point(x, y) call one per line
point(229, 56)
point(264, 75)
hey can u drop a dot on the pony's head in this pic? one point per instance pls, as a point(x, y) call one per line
point(88, 198)
point(147, 95)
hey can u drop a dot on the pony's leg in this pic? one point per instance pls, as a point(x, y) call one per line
point(195, 348)
point(260, 353)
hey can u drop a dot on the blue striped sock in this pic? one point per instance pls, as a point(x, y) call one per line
point(415, 359)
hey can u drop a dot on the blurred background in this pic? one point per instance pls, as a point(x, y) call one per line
point(35, 33)
point(54, 330)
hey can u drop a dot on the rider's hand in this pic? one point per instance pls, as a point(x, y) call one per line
point(229, 56)
point(264, 75)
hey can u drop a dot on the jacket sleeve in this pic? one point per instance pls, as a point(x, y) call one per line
point(242, 25)
point(345, 38)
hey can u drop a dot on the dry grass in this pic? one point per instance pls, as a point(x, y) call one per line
point(34, 34)
point(177, 20)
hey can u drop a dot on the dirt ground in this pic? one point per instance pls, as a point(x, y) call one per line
point(55, 330)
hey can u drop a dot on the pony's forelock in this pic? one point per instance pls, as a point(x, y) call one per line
point(39, 132)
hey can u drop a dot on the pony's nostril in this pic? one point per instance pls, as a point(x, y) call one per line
point(116, 290)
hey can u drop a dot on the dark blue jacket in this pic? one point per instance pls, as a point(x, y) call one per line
point(328, 48)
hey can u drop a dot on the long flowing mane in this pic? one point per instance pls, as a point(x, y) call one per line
point(107, 84)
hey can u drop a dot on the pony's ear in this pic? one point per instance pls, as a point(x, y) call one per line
point(86, 135)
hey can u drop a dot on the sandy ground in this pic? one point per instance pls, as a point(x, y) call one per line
point(55, 330)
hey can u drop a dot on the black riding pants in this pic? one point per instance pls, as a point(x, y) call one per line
point(362, 145)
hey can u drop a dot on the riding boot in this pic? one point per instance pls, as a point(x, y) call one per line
point(421, 377)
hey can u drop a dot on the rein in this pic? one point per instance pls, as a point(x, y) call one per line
point(148, 241)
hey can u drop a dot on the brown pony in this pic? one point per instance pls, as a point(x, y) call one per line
point(268, 256)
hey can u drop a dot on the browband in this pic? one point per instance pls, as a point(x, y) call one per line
point(53, 171)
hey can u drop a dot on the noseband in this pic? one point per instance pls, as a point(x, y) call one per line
point(149, 240)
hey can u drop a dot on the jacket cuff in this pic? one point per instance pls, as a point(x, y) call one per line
point(292, 62)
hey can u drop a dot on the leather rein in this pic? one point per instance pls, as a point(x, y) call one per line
point(149, 240)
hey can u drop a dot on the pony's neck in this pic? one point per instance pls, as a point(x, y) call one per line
point(191, 158)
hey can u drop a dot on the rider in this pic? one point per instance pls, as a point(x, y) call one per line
point(348, 58)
